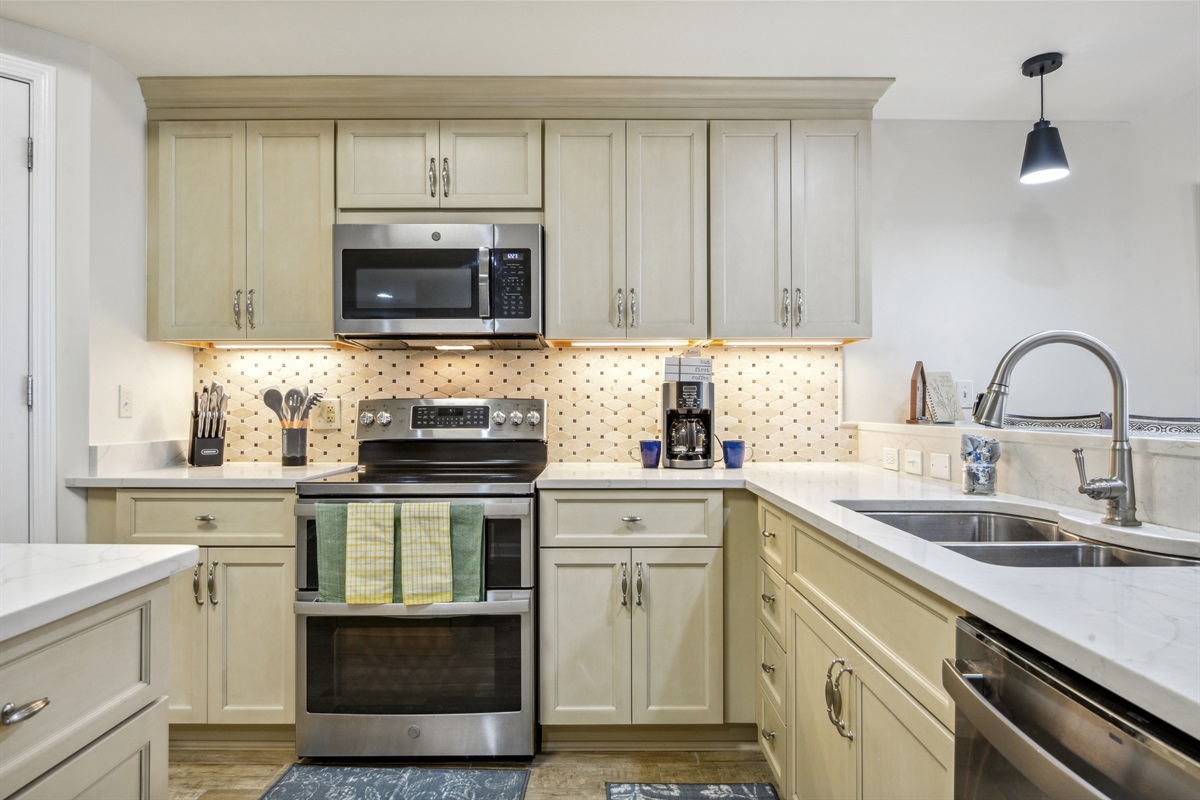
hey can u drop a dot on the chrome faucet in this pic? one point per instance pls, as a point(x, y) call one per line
point(1116, 489)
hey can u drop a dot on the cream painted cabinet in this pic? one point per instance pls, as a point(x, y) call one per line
point(626, 229)
point(439, 164)
point(789, 229)
point(240, 231)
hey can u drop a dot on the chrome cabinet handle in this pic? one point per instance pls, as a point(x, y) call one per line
point(638, 583)
point(205, 518)
point(237, 309)
point(11, 714)
point(196, 583)
point(250, 308)
point(768, 668)
point(485, 282)
point(631, 518)
point(433, 177)
point(768, 735)
point(212, 583)
point(799, 306)
point(620, 308)
point(624, 583)
point(768, 534)
point(632, 309)
point(445, 177)
point(768, 598)
point(787, 308)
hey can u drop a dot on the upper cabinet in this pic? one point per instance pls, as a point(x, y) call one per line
point(241, 231)
point(789, 242)
point(448, 164)
point(626, 229)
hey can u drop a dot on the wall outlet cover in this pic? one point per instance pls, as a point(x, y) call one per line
point(327, 415)
point(891, 458)
point(939, 466)
point(912, 461)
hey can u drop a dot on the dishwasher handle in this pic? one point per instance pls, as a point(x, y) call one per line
point(1030, 758)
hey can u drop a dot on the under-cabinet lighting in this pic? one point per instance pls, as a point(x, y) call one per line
point(271, 346)
point(780, 343)
point(454, 347)
point(630, 343)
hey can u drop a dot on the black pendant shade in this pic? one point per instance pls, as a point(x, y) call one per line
point(1045, 160)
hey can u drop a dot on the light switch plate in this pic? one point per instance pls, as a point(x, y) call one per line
point(125, 402)
point(891, 458)
point(939, 466)
point(912, 461)
point(966, 393)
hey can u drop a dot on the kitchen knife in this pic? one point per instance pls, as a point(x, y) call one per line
point(222, 416)
point(214, 408)
point(202, 422)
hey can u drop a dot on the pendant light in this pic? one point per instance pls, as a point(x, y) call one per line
point(1045, 159)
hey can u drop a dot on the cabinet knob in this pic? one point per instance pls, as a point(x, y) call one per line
point(768, 735)
point(768, 668)
point(768, 534)
point(631, 518)
point(768, 598)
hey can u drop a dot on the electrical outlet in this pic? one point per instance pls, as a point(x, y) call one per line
point(891, 458)
point(912, 461)
point(328, 416)
point(125, 402)
point(966, 393)
point(939, 466)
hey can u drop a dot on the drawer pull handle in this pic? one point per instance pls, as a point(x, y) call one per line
point(768, 598)
point(631, 518)
point(206, 518)
point(212, 583)
point(12, 714)
point(196, 583)
point(768, 534)
point(768, 668)
point(768, 735)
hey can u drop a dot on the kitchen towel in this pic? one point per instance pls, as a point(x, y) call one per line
point(426, 566)
point(370, 552)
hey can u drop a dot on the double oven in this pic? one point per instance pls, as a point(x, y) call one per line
point(442, 679)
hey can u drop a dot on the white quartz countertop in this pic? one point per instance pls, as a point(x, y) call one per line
point(1134, 630)
point(42, 583)
point(230, 475)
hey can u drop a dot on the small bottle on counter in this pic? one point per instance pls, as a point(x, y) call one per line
point(979, 456)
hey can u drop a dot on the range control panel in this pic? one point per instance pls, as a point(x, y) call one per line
point(461, 419)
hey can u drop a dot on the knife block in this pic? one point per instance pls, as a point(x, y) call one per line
point(206, 452)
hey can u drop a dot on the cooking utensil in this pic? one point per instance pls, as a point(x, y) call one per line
point(310, 403)
point(293, 401)
point(222, 416)
point(202, 425)
point(274, 400)
point(214, 408)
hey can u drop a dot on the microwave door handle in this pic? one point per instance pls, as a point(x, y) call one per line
point(485, 283)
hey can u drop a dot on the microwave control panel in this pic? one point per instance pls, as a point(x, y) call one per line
point(512, 284)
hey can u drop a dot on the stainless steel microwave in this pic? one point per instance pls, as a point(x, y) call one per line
point(441, 285)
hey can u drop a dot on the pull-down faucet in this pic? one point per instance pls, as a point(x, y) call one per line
point(1116, 489)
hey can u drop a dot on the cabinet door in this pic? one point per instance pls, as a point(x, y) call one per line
point(289, 285)
point(387, 164)
point(667, 229)
point(822, 761)
point(252, 636)
point(585, 229)
point(586, 597)
point(678, 636)
point(830, 259)
point(197, 231)
point(188, 695)
point(491, 164)
point(750, 213)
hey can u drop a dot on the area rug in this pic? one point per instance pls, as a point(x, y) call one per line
point(313, 782)
point(691, 791)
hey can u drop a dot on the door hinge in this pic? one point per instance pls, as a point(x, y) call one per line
point(29, 154)
point(29, 391)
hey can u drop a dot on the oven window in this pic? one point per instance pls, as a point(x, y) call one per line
point(455, 665)
point(410, 284)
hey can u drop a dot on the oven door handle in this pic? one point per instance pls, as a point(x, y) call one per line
point(495, 608)
point(1030, 758)
point(491, 508)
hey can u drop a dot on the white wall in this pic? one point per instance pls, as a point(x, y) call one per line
point(967, 261)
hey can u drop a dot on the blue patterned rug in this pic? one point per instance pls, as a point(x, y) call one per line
point(691, 791)
point(313, 782)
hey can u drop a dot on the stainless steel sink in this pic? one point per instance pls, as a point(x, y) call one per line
point(971, 526)
point(1066, 554)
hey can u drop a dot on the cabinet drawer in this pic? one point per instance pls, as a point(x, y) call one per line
point(772, 539)
point(96, 668)
point(642, 518)
point(772, 737)
point(218, 518)
point(900, 625)
point(772, 667)
point(769, 596)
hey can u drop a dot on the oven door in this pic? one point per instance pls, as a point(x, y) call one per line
point(444, 679)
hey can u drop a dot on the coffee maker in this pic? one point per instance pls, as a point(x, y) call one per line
point(687, 424)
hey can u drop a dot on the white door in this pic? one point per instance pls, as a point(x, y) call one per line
point(14, 311)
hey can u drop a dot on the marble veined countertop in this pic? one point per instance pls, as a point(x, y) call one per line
point(42, 583)
point(1134, 630)
point(230, 475)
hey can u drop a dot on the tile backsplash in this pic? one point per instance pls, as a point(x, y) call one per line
point(785, 402)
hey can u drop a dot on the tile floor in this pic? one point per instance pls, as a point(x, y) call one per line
point(226, 774)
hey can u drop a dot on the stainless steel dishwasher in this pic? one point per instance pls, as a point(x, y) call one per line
point(1027, 728)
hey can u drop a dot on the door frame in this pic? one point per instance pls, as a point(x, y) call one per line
point(43, 453)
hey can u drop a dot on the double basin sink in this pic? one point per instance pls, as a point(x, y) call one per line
point(1010, 540)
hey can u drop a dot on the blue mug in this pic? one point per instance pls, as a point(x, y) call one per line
point(650, 450)
point(735, 453)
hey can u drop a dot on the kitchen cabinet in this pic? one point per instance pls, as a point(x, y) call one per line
point(626, 229)
point(439, 164)
point(788, 204)
point(232, 640)
point(240, 231)
point(631, 632)
point(773, 670)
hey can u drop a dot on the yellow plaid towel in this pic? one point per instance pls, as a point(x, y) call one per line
point(370, 552)
point(426, 572)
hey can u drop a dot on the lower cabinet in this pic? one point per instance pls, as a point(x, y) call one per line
point(632, 636)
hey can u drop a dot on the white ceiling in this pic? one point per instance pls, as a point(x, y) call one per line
point(952, 59)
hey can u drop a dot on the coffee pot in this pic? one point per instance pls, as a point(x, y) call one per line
point(687, 424)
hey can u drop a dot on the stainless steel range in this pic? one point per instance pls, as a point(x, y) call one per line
point(443, 679)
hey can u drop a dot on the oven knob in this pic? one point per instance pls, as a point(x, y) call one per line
point(499, 418)
point(385, 418)
point(533, 418)
point(516, 418)
point(367, 419)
